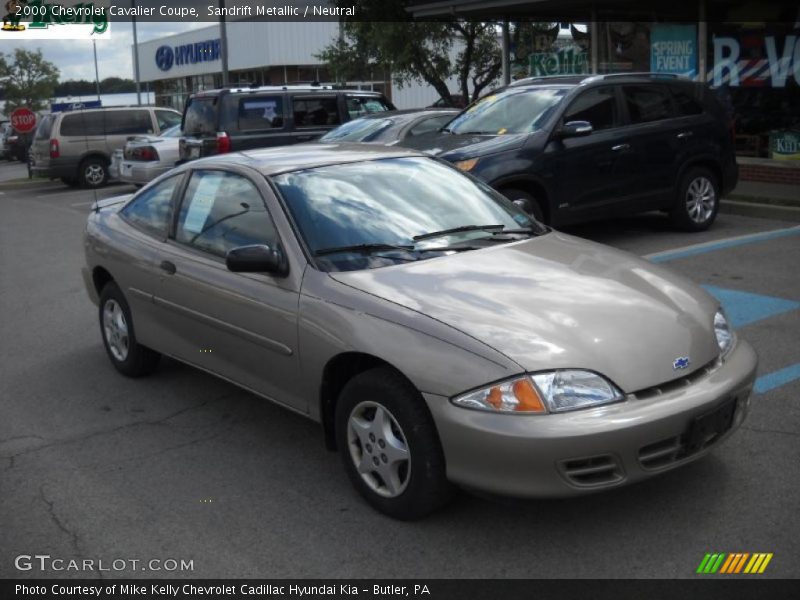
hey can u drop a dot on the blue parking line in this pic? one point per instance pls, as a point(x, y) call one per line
point(661, 257)
point(770, 381)
point(744, 308)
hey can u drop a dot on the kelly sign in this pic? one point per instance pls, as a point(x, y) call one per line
point(23, 120)
point(673, 49)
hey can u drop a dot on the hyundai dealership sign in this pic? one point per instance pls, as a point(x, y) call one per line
point(185, 54)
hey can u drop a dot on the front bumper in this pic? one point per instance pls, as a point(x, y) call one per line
point(567, 454)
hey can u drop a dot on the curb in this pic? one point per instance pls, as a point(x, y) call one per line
point(760, 210)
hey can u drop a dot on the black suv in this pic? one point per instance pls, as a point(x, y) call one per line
point(571, 149)
point(233, 119)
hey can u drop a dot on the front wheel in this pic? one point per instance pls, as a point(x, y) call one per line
point(527, 202)
point(698, 200)
point(389, 445)
point(116, 326)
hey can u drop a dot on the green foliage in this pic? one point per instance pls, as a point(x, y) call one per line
point(27, 79)
point(386, 38)
point(82, 87)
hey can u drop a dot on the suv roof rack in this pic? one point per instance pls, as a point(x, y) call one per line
point(591, 78)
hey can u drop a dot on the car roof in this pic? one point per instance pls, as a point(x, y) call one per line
point(283, 159)
point(305, 89)
point(576, 80)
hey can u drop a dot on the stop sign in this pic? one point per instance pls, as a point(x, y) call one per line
point(23, 120)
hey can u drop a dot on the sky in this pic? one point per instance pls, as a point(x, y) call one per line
point(75, 60)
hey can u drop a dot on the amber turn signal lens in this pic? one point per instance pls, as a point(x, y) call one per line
point(529, 400)
point(466, 165)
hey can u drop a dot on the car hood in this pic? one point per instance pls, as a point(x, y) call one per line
point(456, 146)
point(557, 301)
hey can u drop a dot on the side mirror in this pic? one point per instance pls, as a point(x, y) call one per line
point(258, 258)
point(575, 129)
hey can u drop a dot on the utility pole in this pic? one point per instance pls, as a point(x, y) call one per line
point(223, 43)
point(96, 71)
point(136, 57)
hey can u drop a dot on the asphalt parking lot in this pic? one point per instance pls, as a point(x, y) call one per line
point(184, 466)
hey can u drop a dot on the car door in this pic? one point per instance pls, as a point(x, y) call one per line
point(592, 172)
point(655, 136)
point(241, 326)
point(136, 266)
point(313, 116)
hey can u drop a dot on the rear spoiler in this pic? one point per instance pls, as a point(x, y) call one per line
point(107, 202)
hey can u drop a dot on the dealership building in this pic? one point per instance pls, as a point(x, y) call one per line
point(260, 53)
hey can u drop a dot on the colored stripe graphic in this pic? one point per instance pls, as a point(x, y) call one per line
point(733, 563)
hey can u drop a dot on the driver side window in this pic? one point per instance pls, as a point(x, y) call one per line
point(221, 211)
point(597, 106)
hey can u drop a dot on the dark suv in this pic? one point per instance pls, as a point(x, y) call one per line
point(571, 149)
point(233, 119)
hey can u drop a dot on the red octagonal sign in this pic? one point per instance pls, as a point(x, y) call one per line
point(23, 120)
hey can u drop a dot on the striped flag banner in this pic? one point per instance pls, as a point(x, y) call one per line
point(734, 563)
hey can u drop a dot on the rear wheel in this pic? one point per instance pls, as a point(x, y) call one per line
point(116, 326)
point(527, 202)
point(93, 173)
point(698, 200)
point(389, 445)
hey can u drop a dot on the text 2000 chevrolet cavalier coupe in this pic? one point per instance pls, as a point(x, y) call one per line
point(438, 333)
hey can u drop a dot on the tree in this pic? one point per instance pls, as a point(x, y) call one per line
point(386, 37)
point(27, 78)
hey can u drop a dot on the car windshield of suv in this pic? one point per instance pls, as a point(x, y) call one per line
point(359, 130)
point(509, 111)
point(381, 212)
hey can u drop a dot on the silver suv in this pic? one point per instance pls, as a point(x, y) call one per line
point(77, 146)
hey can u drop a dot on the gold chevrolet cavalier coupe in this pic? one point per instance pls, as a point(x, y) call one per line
point(439, 334)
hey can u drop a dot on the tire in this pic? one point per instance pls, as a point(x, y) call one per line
point(93, 173)
point(70, 181)
point(417, 485)
point(116, 328)
point(526, 201)
point(697, 203)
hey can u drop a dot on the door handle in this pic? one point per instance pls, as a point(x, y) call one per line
point(685, 134)
point(168, 267)
point(621, 147)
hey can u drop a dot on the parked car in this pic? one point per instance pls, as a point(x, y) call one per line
point(229, 120)
point(438, 332)
point(146, 157)
point(391, 128)
point(14, 145)
point(77, 146)
point(571, 149)
point(4, 150)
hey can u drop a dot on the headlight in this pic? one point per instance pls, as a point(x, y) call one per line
point(515, 396)
point(466, 165)
point(553, 391)
point(723, 332)
point(573, 389)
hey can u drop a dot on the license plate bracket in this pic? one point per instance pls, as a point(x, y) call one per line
point(705, 429)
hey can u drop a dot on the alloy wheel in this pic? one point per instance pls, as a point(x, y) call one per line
point(378, 449)
point(700, 199)
point(115, 330)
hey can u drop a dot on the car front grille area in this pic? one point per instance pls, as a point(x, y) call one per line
point(592, 471)
point(676, 384)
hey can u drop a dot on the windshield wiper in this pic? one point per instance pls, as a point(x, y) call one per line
point(363, 249)
point(433, 234)
point(476, 133)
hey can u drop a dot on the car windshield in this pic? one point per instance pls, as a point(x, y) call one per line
point(359, 130)
point(509, 111)
point(380, 212)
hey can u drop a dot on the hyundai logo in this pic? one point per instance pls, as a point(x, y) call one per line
point(165, 57)
point(681, 362)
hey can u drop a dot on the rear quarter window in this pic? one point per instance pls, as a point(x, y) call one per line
point(200, 117)
point(83, 124)
point(686, 102)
